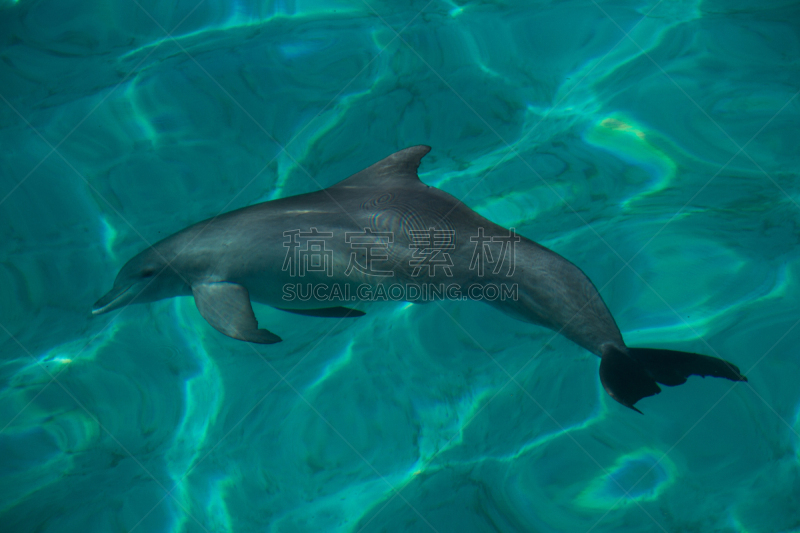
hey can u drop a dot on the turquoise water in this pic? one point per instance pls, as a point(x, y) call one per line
point(653, 144)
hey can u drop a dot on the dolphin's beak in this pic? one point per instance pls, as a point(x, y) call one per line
point(116, 298)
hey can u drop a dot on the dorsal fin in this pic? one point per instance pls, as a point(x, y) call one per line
point(396, 169)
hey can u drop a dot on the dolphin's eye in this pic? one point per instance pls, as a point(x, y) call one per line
point(148, 272)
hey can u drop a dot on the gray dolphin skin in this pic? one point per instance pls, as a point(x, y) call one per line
point(382, 234)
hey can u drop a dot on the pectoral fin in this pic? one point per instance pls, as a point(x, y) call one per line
point(226, 306)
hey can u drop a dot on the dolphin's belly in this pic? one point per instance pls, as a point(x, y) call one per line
point(316, 291)
point(342, 278)
point(309, 292)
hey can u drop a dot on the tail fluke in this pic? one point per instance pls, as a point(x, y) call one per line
point(630, 377)
point(669, 367)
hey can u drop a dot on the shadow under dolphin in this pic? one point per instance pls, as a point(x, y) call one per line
point(382, 234)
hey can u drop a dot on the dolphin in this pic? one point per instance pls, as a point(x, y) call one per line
point(383, 234)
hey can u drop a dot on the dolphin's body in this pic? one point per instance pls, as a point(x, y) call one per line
point(383, 230)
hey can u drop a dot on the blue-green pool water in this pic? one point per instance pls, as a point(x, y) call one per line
point(652, 143)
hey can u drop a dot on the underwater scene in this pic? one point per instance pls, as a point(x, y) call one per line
point(651, 143)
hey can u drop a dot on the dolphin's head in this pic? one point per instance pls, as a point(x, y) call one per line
point(146, 278)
